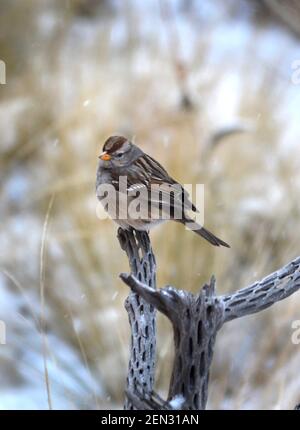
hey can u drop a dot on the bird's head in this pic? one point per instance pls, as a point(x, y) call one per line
point(118, 151)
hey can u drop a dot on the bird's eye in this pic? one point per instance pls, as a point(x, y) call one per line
point(119, 155)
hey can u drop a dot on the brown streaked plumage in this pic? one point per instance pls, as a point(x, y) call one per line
point(121, 158)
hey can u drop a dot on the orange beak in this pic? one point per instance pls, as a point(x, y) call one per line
point(105, 156)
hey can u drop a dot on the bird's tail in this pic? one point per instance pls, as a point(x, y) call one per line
point(206, 234)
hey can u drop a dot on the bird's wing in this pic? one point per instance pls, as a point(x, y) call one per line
point(148, 175)
point(161, 177)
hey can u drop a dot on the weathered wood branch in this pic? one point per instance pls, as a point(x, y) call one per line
point(143, 400)
point(196, 319)
point(140, 312)
point(265, 293)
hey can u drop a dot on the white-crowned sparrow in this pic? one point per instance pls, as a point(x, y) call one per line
point(130, 173)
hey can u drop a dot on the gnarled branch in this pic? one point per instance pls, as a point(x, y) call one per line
point(265, 293)
point(140, 312)
point(196, 319)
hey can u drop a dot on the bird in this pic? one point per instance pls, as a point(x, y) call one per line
point(125, 172)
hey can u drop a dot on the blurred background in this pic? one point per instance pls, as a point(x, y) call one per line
point(209, 89)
